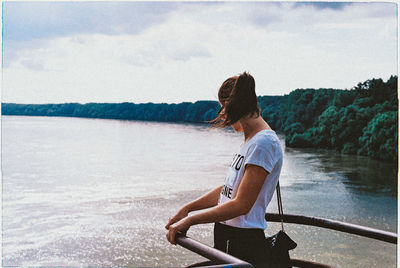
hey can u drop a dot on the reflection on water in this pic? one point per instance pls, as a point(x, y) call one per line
point(361, 173)
point(88, 192)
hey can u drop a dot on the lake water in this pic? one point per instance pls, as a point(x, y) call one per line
point(93, 192)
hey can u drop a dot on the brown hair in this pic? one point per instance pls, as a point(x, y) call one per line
point(237, 97)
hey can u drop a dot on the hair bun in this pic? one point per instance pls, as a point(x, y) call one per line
point(244, 84)
point(238, 99)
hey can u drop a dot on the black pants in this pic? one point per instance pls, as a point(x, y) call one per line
point(249, 245)
point(243, 243)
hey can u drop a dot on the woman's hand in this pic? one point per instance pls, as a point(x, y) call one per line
point(182, 226)
point(182, 213)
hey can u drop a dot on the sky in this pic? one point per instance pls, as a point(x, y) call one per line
point(57, 52)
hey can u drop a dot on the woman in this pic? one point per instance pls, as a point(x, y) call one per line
point(238, 207)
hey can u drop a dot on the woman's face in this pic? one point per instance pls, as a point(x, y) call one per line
point(236, 126)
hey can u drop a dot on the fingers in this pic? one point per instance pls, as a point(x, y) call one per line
point(170, 221)
point(177, 217)
point(182, 226)
point(171, 236)
point(168, 224)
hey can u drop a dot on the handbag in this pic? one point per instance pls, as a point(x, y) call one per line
point(278, 245)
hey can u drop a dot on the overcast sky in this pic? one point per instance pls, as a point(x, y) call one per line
point(55, 52)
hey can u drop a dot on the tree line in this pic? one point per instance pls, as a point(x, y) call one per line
point(362, 120)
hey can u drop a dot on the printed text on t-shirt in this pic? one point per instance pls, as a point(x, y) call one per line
point(227, 191)
point(237, 161)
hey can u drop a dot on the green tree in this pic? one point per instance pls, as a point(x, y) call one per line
point(380, 137)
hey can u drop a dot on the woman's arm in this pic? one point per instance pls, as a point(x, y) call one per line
point(208, 200)
point(249, 188)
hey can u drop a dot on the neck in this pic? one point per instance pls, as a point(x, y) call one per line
point(252, 125)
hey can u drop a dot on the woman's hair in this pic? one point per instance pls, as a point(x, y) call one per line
point(237, 97)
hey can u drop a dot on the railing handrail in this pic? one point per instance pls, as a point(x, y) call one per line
point(211, 253)
point(335, 225)
point(226, 260)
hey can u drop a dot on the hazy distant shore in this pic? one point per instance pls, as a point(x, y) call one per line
point(360, 121)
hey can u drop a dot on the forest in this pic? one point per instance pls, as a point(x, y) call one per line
point(362, 120)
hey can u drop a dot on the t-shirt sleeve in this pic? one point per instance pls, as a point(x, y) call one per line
point(263, 155)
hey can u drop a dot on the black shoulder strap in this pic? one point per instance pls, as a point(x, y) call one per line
point(280, 209)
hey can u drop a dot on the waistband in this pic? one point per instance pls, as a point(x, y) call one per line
point(237, 231)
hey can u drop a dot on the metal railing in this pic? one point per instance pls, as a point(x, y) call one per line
point(221, 258)
point(225, 260)
point(335, 225)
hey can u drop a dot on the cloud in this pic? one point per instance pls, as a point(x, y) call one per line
point(196, 46)
point(188, 53)
point(324, 5)
point(30, 25)
point(25, 21)
point(377, 10)
point(33, 64)
point(265, 14)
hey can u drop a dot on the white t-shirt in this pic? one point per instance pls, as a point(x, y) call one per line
point(263, 150)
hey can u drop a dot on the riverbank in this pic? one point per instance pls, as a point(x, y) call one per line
point(360, 121)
